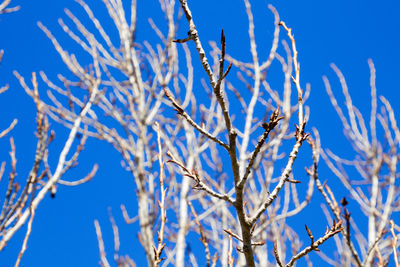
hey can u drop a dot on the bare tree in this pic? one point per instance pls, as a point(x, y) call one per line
point(153, 79)
point(221, 167)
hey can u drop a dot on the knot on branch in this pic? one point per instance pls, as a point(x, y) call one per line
point(300, 133)
point(157, 254)
point(293, 181)
point(273, 121)
point(313, 245)
point(196, 178)
point(192, 34)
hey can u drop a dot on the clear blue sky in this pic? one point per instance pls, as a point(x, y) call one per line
point(344, 32)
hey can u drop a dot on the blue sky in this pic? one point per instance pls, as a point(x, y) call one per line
point(344, 32)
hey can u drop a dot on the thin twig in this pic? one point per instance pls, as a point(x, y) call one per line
point(335, 229)
point(184, 114)
point(87, 178)
point(199, 184)
point(394, 244)
point(4, 9)
point(296, 79)
point(24, 245)
point(276, 254)
point(268, 127)
point(203, 238)
point(163, 212)
point(6, 131)
point(104, 261)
